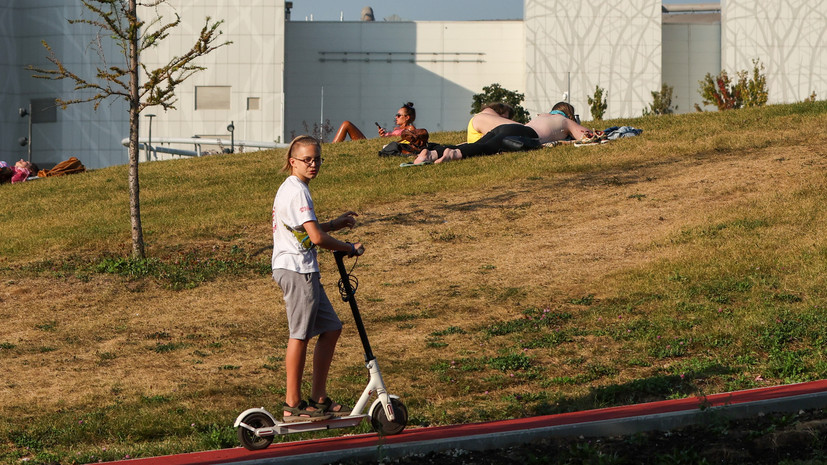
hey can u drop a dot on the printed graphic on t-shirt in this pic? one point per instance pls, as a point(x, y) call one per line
point(302, 237)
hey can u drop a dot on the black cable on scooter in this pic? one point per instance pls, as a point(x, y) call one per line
point(344, 282)
point(354, 283)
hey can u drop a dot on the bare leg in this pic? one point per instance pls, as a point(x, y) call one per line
point(449, 155)
point(426, 156)
point(294, 366)
point(322, 357)
point(348, 129)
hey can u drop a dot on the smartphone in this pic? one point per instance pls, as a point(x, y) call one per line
point(377, 124)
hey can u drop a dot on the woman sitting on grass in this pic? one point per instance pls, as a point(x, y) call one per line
point(404, 119)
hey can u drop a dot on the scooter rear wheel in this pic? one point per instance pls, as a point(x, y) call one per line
point(385, 427)
point(248, 438)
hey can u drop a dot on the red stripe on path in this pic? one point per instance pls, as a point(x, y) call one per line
point(286, 449)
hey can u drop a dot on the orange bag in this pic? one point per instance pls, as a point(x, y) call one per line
point(70, 166)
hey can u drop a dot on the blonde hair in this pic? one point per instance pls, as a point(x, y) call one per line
point(300, 140)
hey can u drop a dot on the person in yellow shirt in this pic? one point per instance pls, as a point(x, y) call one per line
point(491, 116)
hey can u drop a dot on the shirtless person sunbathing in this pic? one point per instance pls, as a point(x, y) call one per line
point(558, 125)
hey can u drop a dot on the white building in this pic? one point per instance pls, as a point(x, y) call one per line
point(279, 78)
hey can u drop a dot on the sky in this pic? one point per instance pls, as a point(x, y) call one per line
point(418, 10)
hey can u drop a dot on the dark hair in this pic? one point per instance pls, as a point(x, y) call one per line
point(6, 174)
point(565, 108)
point(299, 140)
point(503, 109)
point(411, 112)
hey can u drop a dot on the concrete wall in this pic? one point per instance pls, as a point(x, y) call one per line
point(10, 96)
point(690, 51)
point(252, 67)
point(369, 69)
point(92, 136)
point(612, 44)
point(12, 126)
point(789, 38)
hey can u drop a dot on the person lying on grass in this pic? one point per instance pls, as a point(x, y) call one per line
point(17, 173)
point(296, 235)
point(490, 116)
point(557, 125)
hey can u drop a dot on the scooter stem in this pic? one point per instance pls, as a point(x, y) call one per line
point(357, 317)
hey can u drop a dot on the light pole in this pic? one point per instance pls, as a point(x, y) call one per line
point(231, 128)
point(27, 141)
point(149, 139)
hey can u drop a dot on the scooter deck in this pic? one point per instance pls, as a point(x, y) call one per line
point(304, 426)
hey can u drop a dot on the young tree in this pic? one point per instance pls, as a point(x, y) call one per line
point(598, 104)
point(661, 102)
point(119, 20)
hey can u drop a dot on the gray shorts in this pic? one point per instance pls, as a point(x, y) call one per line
point(309, 311)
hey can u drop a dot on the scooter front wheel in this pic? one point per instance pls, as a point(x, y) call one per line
point(248, 438)
point(385, 427)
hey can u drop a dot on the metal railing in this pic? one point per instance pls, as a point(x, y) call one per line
point(160, 145)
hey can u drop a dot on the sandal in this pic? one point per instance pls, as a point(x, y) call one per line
point(300, 413)
point(326, 405)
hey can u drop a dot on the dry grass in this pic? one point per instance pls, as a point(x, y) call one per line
point(622, 242)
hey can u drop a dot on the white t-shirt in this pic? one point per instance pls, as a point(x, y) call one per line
point(292, 248)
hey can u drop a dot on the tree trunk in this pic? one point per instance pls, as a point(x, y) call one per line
point(138, 251)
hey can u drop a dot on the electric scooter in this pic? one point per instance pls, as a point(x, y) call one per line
point(257, 427)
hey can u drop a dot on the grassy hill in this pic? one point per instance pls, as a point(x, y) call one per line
point(686, 261)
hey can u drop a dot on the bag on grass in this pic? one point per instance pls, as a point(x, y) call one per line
point(70, 166)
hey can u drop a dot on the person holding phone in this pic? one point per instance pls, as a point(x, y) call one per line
point(403, 119)
point(296, 236)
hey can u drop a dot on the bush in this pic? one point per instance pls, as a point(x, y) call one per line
point(754, 90)
point(496, 93)
point(661, 102)
point(598, 104)
point(720, 91)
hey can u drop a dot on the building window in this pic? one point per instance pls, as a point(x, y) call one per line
point(212, 97)
point(253, 103)
point(44, 110)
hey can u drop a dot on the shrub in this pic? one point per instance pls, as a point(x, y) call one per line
point(753, 90)
point(747, 92)
point(497, 93)
point(598, 104)
point(661, 102)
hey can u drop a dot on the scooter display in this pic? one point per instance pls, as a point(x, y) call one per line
point(257, 427)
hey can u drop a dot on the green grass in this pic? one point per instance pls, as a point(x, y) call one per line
point(218, 197)
point(738, 299)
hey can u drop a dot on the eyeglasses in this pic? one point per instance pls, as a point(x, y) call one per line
point(399, 114)
point(310, 161)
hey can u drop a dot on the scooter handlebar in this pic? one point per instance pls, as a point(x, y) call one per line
point(354, 252)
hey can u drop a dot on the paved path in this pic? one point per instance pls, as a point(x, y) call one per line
point(663, 415)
